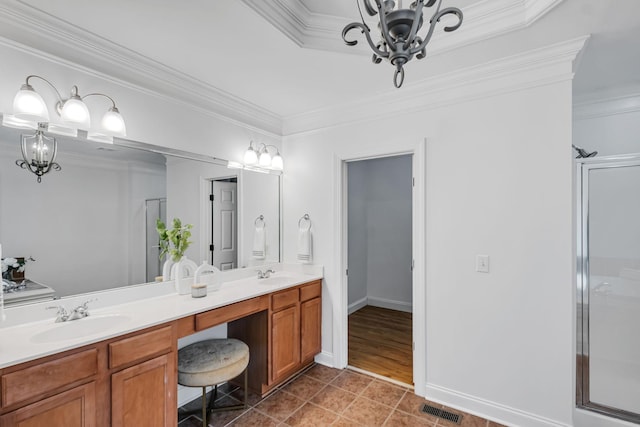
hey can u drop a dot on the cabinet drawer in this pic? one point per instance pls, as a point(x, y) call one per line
point(45, 377)
point(284, 299)
point(310, 291)
point(140, 347)
point(231, 312)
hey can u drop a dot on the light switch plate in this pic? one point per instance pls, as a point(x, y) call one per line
point(482, 263)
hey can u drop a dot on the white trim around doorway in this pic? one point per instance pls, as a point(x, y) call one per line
point(340, 308)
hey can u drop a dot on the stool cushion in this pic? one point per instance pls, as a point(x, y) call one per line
point(211, 362)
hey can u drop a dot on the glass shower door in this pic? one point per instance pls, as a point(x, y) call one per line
point(609, 292)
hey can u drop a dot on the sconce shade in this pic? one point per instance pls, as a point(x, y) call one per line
point(29, 105)
point(265, 159)
point(277, 163)
point(250, 156)
point(113, 123)
point(75, 111)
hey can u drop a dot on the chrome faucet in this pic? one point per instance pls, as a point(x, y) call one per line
point(265, 274)
point(80, 312)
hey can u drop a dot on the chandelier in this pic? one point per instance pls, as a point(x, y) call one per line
point(38, 153)
point(399, 31)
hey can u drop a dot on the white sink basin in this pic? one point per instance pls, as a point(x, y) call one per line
point(79, 328)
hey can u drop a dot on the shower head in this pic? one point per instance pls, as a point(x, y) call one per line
point(582, 153)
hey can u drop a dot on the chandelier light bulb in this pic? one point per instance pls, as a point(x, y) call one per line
point(29, 105)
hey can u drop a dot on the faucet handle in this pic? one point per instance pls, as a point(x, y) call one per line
point(85, 304)
point(84, 307)
point(62, 313)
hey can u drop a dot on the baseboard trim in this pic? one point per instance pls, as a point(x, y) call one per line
point(486, 409)
point(407, 307)
point(325, 358)
point(357, 305)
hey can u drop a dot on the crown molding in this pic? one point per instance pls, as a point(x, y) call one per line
point(482, 20)
point(538, 67)
point(30, 29)
point(609, 106)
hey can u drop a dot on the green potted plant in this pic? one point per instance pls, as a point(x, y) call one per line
point(174, 241)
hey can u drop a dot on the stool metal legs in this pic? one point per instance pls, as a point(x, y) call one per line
point(207, 409)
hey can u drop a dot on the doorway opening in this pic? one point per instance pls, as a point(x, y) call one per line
point(379, 204)
point(223, 246)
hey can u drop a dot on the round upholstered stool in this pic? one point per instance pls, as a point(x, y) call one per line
point(212, 362)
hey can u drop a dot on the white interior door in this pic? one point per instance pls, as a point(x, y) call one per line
point(224, 230)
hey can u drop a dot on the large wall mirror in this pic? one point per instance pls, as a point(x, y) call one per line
point(91, 226)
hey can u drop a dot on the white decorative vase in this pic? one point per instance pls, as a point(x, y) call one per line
point(166, 270)
point(181, 273)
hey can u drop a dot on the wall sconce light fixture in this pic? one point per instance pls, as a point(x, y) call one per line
point(260, 156)
point(29, 106)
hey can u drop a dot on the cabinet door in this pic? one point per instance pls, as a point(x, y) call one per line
point(285, 341)
point(72, 408)
point(310, 326)
point(144, 395)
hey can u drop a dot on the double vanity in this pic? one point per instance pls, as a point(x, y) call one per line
point(117, 366)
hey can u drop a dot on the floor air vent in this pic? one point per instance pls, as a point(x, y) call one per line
point(441, 413)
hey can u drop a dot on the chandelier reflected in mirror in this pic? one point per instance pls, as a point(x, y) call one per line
point(399, 29)
point(38, 153)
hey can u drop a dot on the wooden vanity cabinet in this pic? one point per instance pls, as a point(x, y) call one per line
point(127, 381)
point(295, 329)
point(143, 393)
point(283, 336)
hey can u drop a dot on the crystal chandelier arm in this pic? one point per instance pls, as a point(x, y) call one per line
point(47, 82)
point(364, 30)
point(434, 20)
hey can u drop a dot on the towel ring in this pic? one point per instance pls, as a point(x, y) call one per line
point(305, 217)
point(258, 220)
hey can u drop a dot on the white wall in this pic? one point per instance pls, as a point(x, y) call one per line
point(379, 207)
point(106, 224)
point(500, 344)
point(260, 196)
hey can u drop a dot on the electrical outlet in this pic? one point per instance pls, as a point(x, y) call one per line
point(482, 263)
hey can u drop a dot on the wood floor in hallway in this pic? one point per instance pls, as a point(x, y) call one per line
point(380, 342)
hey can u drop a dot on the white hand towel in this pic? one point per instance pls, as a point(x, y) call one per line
point(304, 245)
point(259, 243)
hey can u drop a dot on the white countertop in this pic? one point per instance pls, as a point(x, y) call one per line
point(18, 342)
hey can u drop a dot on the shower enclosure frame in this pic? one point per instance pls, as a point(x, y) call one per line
point(583, 167)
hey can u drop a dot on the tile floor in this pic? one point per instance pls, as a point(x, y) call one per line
point(323, 396)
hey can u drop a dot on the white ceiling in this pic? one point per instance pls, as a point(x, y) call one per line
point(228, 46)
